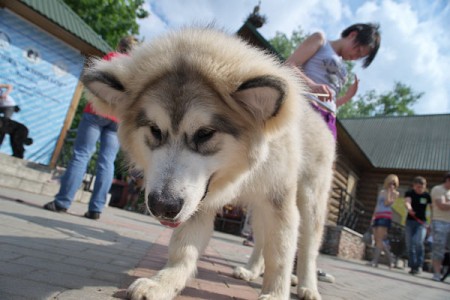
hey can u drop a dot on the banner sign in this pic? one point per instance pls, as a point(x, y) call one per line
point(44, 72)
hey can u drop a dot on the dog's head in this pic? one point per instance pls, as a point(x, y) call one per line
point(197, 108)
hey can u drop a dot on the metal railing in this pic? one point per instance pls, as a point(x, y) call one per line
point(396, 237)
point(350, 209)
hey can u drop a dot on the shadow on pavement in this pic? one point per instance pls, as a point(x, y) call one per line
point(58, 256)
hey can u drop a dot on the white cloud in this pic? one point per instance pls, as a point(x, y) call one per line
point(410, 53)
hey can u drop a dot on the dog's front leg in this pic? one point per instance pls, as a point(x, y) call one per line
point(280, 231)
point(186, 245)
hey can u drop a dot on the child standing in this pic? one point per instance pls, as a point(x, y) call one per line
point(320, 63)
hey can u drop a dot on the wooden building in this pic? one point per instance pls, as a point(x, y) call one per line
point(43, 49)
point(369, 149)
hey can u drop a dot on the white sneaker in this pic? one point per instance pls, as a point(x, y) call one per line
point(436, 277)
point(325, 277)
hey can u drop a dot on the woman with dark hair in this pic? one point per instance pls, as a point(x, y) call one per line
point(320, 63)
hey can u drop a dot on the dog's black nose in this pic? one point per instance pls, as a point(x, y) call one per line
point(164, 206)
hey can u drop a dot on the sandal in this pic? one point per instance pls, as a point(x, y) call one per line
point(53, 207)
point(325, 277)
point(248, 243)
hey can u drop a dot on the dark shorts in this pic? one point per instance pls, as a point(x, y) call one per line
point(328, 117)
point(382, 222)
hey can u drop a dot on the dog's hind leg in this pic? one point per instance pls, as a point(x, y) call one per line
point(255, 265)
point(312, 202)
point(186, 246)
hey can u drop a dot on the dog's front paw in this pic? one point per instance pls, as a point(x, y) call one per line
point(308, 294)
point(148, 289)
point(245, 274)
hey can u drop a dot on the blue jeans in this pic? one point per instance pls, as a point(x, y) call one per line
point(90, 130)
point(415, 237)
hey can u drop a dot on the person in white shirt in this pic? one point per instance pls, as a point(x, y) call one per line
point(7, 103)
point(440, 196)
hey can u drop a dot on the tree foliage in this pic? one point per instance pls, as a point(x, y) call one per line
point(111, 19)
point(397, 102)
point(286, 45)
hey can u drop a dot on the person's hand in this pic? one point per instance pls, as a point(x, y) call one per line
point(322, 89)
point(393, 193)
point(411, 212)
point(352, 89)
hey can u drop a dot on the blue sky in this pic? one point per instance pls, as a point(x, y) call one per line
point(415, 47)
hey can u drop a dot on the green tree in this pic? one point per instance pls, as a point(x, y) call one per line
point(111, 19)
point(286, 45)
point(397, 102)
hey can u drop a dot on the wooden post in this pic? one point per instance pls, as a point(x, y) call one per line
point(69, 118)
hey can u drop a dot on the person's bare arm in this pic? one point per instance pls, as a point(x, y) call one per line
point(8, 88)
point(391, 195)
point(408, 206)
point(351, 91)
point(441, 203)
point(301, 55)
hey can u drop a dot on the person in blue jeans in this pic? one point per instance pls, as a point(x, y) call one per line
point(416, 201)
point(92, 128)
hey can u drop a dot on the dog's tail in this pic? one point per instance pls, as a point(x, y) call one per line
point(28, 141)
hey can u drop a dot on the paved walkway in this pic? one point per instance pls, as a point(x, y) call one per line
point(46, 255)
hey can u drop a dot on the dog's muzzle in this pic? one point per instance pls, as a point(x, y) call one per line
point(163, 206)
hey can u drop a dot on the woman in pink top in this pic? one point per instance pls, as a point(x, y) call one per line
point(382, 217)
point(92, 128)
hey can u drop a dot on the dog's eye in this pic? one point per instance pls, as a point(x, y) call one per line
point(156, 132)
point(203, 135)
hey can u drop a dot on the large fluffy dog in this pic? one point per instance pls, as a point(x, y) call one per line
point(210, 119)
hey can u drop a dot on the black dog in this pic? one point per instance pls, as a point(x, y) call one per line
point(18, 135)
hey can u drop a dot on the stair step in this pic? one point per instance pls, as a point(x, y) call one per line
point(27, 176)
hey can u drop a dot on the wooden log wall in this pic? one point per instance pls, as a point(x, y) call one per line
point(340, 180)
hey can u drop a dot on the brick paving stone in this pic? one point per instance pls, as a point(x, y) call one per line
point(20, 287)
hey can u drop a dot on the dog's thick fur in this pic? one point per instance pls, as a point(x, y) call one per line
point(209, 119)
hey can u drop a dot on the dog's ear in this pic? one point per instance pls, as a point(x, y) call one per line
point(106, 91)
point(261, 96)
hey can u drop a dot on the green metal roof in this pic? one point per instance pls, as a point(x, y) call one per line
point(61, 14)
point(420, 142)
